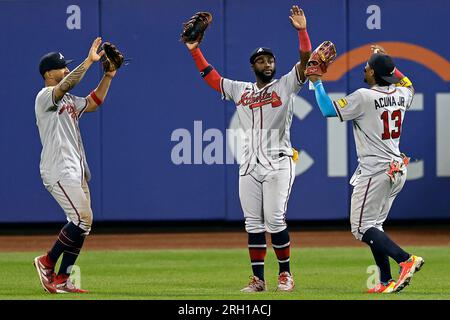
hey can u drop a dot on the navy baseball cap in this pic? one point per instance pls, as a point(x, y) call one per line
point(52, 61)
point(384, 67)
point(259, 52)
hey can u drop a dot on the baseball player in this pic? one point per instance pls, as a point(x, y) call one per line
point(63, 166)
point(267, 169)
point(377, 113)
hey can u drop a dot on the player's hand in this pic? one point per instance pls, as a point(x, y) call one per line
point(93, 55)
point(192, 46)
point(297, 17)
point(314, 78)
point(377, 49)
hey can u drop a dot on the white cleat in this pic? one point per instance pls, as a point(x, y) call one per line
point(255, 285)
point(285, 282)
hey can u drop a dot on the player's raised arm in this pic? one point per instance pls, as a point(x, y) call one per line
point(323, 100)
point(97, 96)
point(74, 77)
point(207, 71)
point(298, 21)
point(192, 35)
point(112, 59)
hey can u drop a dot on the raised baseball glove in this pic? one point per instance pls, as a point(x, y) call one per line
point(320, 59)
point(112, 59)
point(194, 29)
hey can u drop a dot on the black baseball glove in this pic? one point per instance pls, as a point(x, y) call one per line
point(112, 59)
point(194, 29)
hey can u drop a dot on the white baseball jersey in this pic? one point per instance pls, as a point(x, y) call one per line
point(63, 156)
point(377, 115)
point(265, 115)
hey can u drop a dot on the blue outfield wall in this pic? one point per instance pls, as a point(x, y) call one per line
point(158, 105)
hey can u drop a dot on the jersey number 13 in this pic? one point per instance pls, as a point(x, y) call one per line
point(396, 116)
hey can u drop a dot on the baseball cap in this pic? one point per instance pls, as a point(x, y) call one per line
point(259, 52)
point(52, 61)
point(383, 66)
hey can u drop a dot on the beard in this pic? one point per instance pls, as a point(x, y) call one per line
point(264, 77)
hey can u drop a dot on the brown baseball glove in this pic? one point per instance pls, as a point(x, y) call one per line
point(112, 59)
point(320, 59)
point(194, 29)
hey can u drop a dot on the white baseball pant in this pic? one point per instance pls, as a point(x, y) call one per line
point(264, 196)
point(76, 203)
point(371, 201)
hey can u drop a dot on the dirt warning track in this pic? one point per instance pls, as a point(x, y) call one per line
point(228, 239)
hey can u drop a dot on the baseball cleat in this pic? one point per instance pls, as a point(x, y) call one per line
point(383, 287)
point(255, 285)
point(62, 284)
point(407, 269)
point(285, 282)
point(46, 274)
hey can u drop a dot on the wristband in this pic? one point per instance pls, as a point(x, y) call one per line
point(95, 98)
point(404, 82)
point(206, 71)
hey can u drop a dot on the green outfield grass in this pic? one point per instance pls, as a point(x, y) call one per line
point(320, 273)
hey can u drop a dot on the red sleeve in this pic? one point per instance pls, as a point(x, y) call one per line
point(211, 76)
point(305, 43)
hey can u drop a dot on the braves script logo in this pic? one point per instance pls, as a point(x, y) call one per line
point(70, 110)
point(260, 99)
